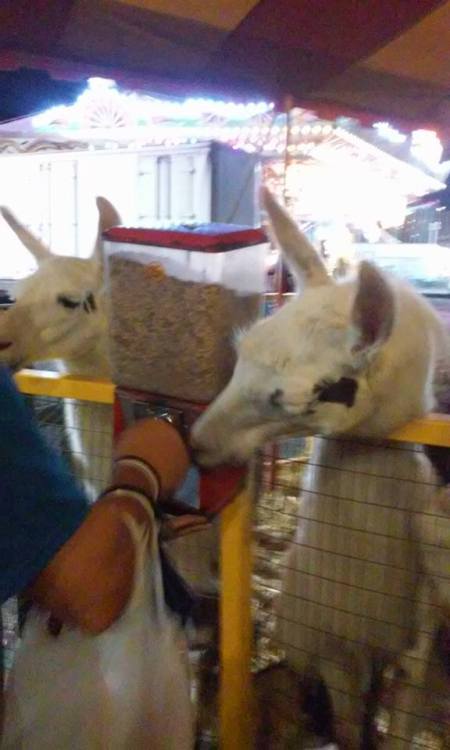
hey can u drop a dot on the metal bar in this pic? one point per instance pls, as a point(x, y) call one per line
point(235, 696)
point(434, 429)
point(43, 383)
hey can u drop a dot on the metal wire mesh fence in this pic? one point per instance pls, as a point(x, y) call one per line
point(351, 581)
point(82, 432)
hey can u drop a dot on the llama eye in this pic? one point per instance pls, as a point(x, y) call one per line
point(67, 302)
point(276, 398)
point(342, 391)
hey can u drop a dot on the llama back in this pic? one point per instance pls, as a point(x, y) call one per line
point(352, 575)
point(354, 544)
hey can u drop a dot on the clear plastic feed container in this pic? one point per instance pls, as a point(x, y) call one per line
point(176, 299)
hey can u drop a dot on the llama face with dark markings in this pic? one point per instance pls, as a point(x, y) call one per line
point(326, 362)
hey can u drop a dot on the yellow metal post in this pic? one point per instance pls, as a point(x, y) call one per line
point(235, 698)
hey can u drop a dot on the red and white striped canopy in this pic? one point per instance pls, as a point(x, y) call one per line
point(371, 58)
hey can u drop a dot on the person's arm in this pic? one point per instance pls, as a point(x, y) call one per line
point(41, 504)
point(89, 580)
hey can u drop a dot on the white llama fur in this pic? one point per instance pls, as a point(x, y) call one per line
point(371, 559)
point(39, 327)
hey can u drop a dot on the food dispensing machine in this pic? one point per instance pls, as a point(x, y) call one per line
point(176, 299)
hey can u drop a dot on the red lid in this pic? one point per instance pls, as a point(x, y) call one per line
point(206, 238)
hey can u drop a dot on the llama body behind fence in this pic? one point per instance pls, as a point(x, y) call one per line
point(60, 314)
point(353, 601)
point(351, 362)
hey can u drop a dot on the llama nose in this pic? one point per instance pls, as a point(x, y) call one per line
point(198, 450)
point(5, 345)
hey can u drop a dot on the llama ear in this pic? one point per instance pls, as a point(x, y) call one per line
point(297, 249)
point(34, 245)
point(373, 310)
point(108, 217)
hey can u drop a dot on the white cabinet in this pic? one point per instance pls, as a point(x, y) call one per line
point(197, 184)
point(174, 186)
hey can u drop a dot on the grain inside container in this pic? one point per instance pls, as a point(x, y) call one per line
point(176, 299)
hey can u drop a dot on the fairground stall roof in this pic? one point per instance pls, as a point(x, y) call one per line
point(372, 58)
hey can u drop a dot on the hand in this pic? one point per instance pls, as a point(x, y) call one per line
point(158, 444)
point(89, 580)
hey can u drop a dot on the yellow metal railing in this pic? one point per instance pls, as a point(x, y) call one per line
point(235, 701)
point(433, 429)
point(44, 383)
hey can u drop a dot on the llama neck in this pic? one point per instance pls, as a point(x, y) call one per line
point(94, 363)
point(347, 467)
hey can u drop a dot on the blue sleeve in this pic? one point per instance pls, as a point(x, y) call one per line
point(41, 505)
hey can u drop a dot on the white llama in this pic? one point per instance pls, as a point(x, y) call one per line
point(370, 566)
point(60, 314)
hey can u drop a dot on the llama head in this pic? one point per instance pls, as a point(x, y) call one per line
point(59, 309)
point(307, 369)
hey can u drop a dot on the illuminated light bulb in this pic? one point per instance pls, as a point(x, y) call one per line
point(426, 146)
point(101, 84)
point(306, 129)
point(385, 130)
